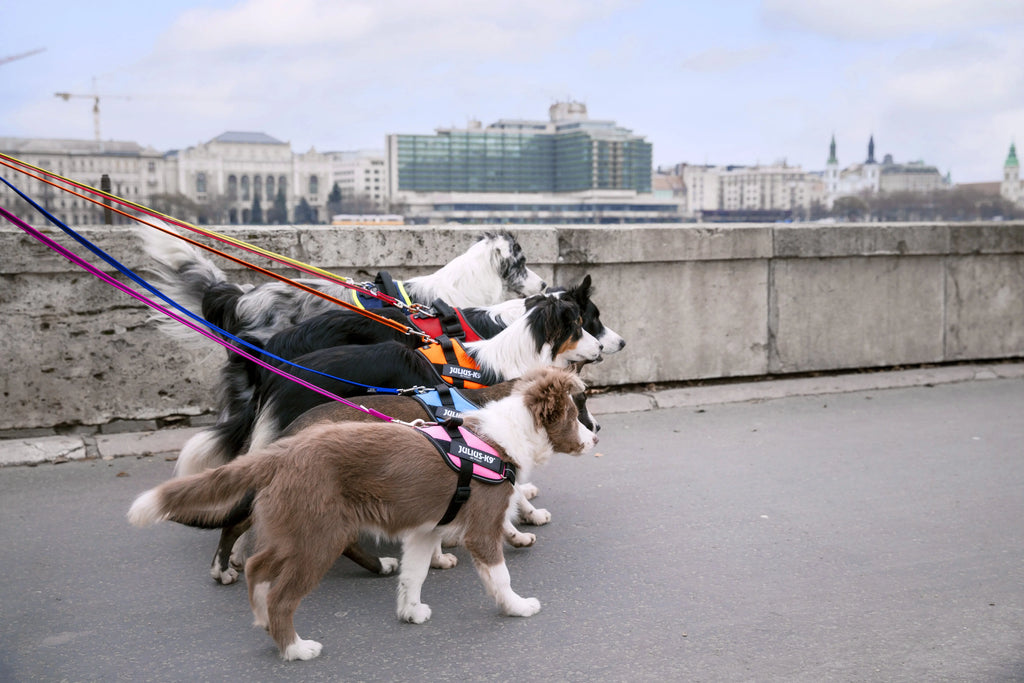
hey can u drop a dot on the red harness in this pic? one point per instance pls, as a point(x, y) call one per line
point(447, 322)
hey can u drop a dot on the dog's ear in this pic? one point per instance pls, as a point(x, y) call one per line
point(549, 397)
point(532, 301)
point(581, 292)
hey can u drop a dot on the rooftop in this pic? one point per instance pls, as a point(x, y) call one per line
point(247, 138)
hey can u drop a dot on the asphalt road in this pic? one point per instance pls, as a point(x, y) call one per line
point(867, 536)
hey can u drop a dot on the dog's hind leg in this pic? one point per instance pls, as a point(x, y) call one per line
point(279, 580)
point(223, 570)
point(490, 565)
point(377, 565)
point(417, 549)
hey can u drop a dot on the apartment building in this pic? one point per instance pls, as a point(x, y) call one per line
point(361, 176)
point(224, 180)
point(136, 173)
point(775, 192)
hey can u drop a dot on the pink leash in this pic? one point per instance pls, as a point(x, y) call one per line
point(85, 265)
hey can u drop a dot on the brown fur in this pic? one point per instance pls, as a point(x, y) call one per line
point(403, 408)
point(317, 490)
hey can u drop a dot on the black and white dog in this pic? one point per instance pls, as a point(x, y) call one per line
point(491, 271)
point(340, 327)
point(549, 334)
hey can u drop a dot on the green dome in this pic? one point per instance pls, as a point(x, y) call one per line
point(1012, 159)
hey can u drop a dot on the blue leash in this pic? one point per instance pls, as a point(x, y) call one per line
point(127, 272)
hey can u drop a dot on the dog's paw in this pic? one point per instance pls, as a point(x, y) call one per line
point(237, 560)
point(302, 649)
point(415, 614)
point(388, 565)
point(530, 491)
point(443, 561)
point(225, 577)
point(518, 539)
point(523, 607)
point(536, 517)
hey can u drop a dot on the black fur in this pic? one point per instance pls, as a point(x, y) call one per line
point(388, 364)
point(342, 327)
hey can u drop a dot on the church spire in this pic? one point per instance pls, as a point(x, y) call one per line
point(832, 151)
point(871, 150)
point(1012, 159)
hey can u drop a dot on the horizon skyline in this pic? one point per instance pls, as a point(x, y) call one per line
point(754, 82)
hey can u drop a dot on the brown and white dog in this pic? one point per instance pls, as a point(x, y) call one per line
point(316, 491)
point(229, 560)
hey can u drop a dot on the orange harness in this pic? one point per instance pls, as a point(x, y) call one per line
point(453, 364)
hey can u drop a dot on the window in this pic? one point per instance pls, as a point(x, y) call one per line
point(245, 188)
point(200, 183)
point(257, 187)
point(282, 185)
point(232, 188)
point(314, 185)
point(270, 187)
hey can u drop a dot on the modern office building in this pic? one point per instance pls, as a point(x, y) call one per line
point(569, 169)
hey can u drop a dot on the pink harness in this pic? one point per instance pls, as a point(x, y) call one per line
point(471, 457)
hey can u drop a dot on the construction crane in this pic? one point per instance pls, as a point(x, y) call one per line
point(95, 97)
point(11, 58)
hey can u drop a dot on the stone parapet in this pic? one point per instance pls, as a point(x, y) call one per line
point(693, 302)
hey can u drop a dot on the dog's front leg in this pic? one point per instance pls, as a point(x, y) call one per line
point(528, 514)
point(498, 583)
point(417, 550)
point(529, 490)
point(441, 560)
point(515, 537)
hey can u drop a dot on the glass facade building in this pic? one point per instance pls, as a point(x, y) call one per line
point(568, 154)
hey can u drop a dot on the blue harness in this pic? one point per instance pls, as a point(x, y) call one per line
point(445, 402)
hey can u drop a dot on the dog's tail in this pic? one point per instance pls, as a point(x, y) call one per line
point(190, 279)
point(212, 499)
point(221, 443)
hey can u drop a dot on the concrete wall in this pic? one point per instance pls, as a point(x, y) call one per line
point(693, 302)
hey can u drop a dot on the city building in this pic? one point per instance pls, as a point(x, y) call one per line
point(238, 173)
point(569, 169)
point(748, 193)
point(1011, 187)
point(361, 176)
point(870, 177)
point(226, 180)
point(135, 172)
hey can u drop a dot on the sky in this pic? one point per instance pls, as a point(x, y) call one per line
point(719, 82)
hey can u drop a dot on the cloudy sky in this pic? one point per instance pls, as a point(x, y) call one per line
point(726, 82)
